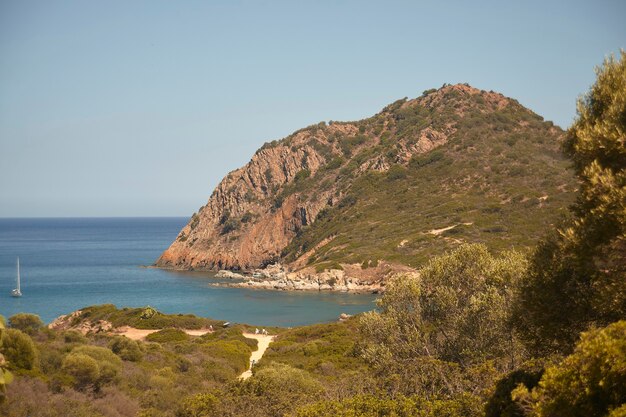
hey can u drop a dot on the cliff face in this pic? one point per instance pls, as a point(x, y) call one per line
point(270, 209)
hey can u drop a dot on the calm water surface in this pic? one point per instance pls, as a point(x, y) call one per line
point(67, 264)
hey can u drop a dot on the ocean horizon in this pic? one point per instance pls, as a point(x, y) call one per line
point(68, 263)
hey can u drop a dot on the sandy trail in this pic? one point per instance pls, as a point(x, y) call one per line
point(437, 232)
point(264, 341)
point(140, 334)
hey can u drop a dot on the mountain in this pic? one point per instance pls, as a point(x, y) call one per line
point(456, 164)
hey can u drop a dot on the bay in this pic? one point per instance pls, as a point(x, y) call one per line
point(70, 263)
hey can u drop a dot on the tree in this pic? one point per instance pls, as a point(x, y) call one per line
point(5, 376)
point(577, 275)
point(91, 366)
point(83, 369)
point(453, 316)
point(199, 405)
point(19, 350)
point(28, 323)
point(127, 349)
point(591, 382)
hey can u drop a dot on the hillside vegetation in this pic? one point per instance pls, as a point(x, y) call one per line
point(455, 165)
point(476, 332)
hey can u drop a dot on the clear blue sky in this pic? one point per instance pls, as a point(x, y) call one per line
point(139, 108)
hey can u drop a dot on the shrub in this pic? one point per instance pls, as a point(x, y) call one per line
point(230, 225)
point(334, 163)
point(127, 349)
point(302, 175)
point(28, 323)
point(396, 172)
point(591, 382)
point(18, 349)
point(83, 369)
point(108, 362)
point(199, 405)
point(168, 335)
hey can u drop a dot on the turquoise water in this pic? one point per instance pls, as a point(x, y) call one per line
point(71, 263)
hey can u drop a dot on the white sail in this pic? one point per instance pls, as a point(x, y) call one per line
point(17, 292)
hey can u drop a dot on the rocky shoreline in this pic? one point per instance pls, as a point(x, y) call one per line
point(276, 277)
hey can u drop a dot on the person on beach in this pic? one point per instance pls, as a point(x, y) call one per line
point(256, 331)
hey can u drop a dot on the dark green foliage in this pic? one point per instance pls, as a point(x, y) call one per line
point(500, 403)
point(302, 175)
point(591, 382)
point(327, 351)
point(127, 349)
point(143, 318)
point(230, 225)
point(195, 220)
point(199, 405)
point(247, 216)
point(490, 161)
point(5, 375)
point(577, 276)
point(375, 406)
point(83, 369)
point(396, 172)
point(335, 163)
point(167, 335)
point(275, 390)
point(28, 323)
point(418, 161)
point(449, 325)
point(18, 349)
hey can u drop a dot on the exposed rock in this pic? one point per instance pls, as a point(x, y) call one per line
point(344, 316)
point(224, 273)
point(262, 223)
point(72, 321)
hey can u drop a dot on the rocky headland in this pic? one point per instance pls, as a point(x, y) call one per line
point(344, 205)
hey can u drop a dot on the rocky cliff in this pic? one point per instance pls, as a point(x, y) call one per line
point(475, 164)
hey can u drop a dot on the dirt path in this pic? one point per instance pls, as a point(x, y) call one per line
point(264, 342)
point(437, 232)
point(140, 334)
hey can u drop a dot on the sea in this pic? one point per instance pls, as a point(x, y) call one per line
point(70, 263)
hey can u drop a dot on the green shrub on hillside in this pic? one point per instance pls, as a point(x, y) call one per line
point(28, 323)
point(127, 349)
point(91, 367)
point(577, 276)
point(376, 406)
point(591, 382)
point(19, 350)
point(453, 316)
point(143, 318)
point(167, 336)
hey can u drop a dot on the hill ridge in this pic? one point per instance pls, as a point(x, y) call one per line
point(465, 141)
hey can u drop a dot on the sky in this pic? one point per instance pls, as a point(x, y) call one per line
point(139, 108)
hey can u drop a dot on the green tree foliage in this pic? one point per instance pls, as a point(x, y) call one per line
point(199, 405)
point(91, 366)
point(5, 376)
point(591, 382)
point(276, 390)
point(500, 403)
point(127, 349)
point(83, 369)
point(452, 317)
point(577, 276)
point(19, 350)
point(168, 335)
point(376, 406)
point(28, 323)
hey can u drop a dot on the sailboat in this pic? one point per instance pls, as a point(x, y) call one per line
point(17, 292)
